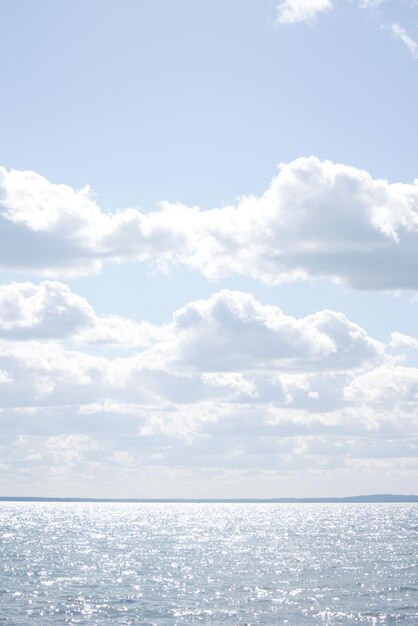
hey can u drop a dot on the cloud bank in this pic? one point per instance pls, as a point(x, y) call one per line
point(317, 219)
point(229, 386)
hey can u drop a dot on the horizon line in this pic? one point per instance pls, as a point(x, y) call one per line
point(370, 498)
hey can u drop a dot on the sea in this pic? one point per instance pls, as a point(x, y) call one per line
point(165, 564)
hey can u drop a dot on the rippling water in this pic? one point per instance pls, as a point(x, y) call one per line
point(168, 564)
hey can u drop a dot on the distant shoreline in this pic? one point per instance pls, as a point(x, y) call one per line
point(374, 498)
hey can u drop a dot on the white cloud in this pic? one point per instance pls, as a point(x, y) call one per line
point(318, 219)
point(400, 33)
point(50, 310)
point(229, 384)
point(298, 11)
point(68, 449)
point(229, 346)
point(386, 384)
point(293, 11)
point(231, 380)
point(369, 4)
point(5, 377)
point(403, 342)
point(57, 230)
point(231, 331)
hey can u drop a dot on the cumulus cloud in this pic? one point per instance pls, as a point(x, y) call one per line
point(50, 310)
point(293, 11)
point(317, 219)
point(229, 345)
point(231, 330)
point(385, 384)
point(229, 348)
point(230, 384)
point(55, 229)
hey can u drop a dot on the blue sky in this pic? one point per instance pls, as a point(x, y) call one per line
point(195, 105)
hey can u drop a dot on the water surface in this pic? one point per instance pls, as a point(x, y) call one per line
point(168, 564)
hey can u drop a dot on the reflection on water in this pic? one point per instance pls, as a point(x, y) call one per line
point(167, 564)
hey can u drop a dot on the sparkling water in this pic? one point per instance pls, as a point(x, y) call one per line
point(167, 564)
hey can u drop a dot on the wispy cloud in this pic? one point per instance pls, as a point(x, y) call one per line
point(401, 34)
point(369, 4)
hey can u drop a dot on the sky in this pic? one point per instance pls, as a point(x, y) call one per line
point(208, 248)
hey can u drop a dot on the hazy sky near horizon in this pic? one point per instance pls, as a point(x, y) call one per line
point(208, 248)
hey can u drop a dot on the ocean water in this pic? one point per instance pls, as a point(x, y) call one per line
point(167, 564)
